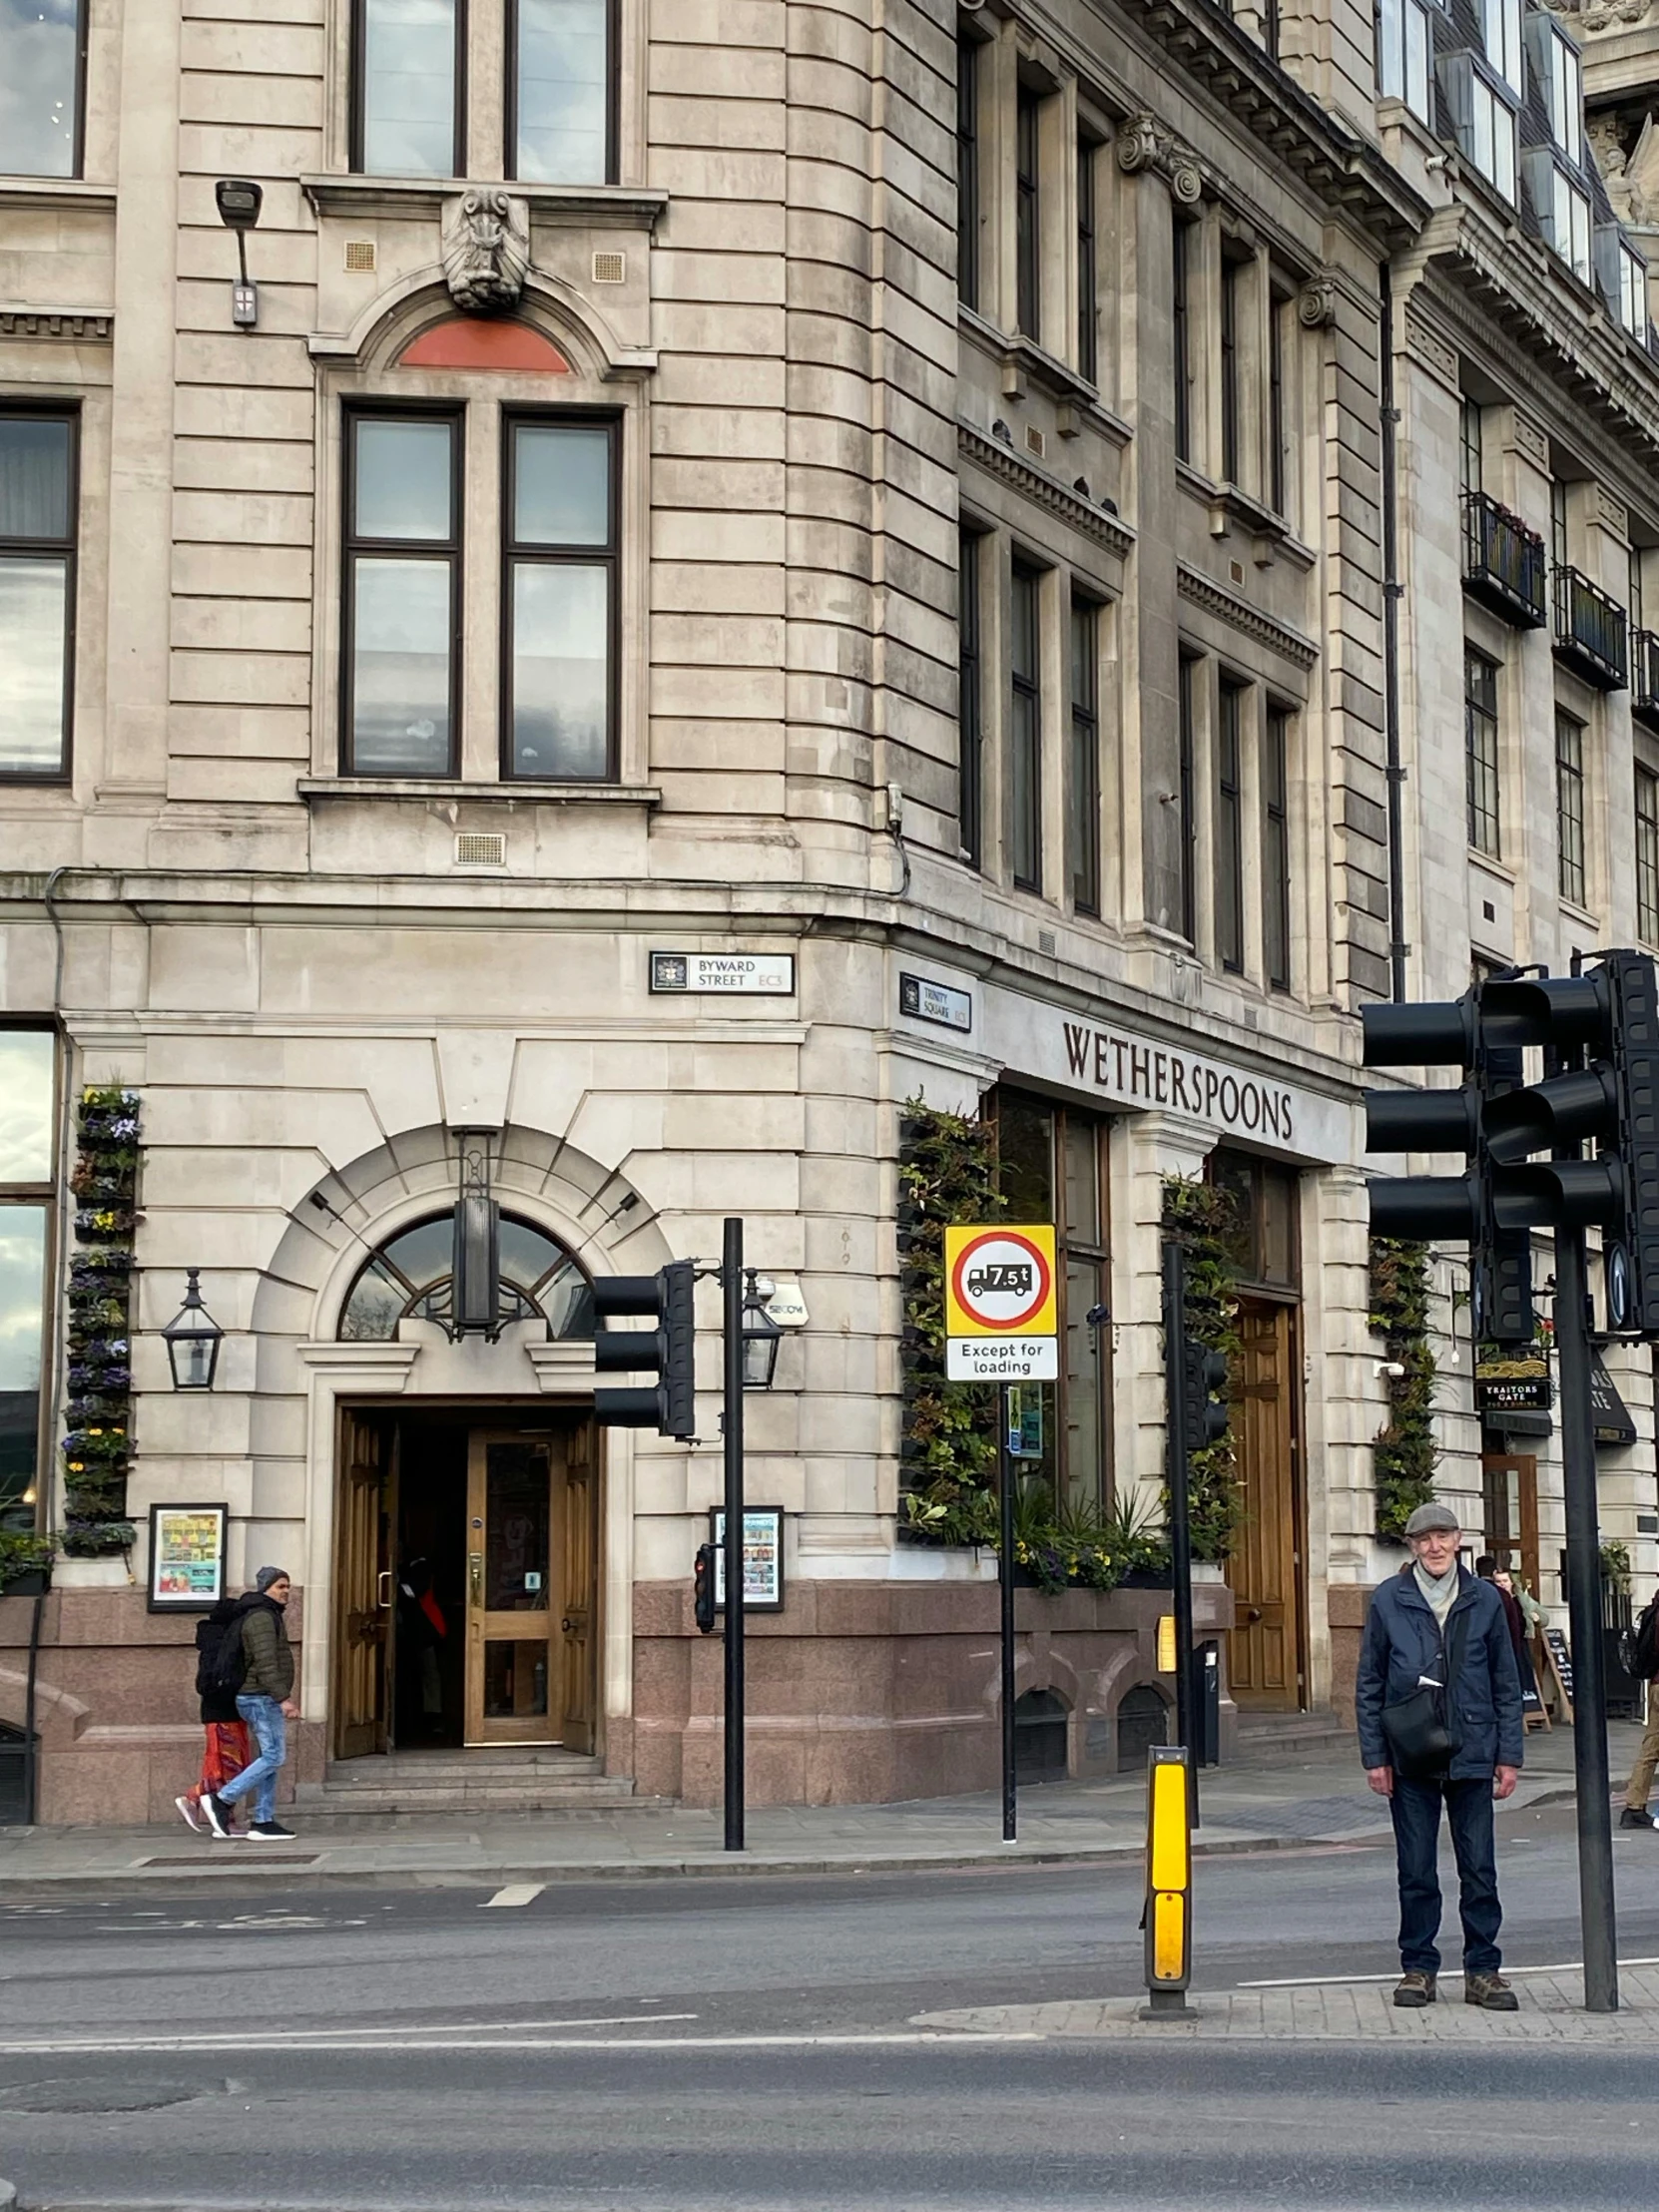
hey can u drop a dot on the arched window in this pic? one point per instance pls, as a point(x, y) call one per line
point(411, 1274)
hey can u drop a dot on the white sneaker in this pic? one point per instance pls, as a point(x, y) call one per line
point(191, 1815)
point(217, 1818)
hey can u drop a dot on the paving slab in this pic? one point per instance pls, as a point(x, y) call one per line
point(1550, 2012)
point(1321, 1802)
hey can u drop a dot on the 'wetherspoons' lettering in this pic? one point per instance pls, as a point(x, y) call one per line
point(1156, 1077)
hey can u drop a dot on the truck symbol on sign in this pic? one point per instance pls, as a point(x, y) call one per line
point(1010, 1279)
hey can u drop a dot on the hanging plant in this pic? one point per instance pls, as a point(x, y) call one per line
point(1205, 1218)
point(95, 1449)
point(1404, 1455)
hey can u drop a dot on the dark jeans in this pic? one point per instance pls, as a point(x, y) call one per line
point(1417, 1816)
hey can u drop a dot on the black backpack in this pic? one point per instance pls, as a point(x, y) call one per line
point(219, 1663)
point(1639, 1646)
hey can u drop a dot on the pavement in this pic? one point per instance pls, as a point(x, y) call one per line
point(1551, 2011)
point(1243, 1808)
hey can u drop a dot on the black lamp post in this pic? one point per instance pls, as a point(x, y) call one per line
point(760, 1336)
point(193, 1339)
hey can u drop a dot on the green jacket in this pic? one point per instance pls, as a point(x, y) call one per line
point(269, 1655)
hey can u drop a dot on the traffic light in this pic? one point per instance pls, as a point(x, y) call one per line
point(1478, 1207)
point(669, 1406)
point(1600, 1034)
point(1203, 1403)
point(702, 1589)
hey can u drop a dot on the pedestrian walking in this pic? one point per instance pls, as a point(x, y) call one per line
point(1488, 1568)
point(260, 1660)
point(1644, 1665)
point(1439, 1713)
point(225, 1751)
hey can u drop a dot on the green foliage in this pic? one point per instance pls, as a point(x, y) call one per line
point(1404, 1455)
point(96, 1446)
point(1615, 1566)
point(23, 1553)
point(1205, 1218)
point(1133, 1531)
point(946, 1175)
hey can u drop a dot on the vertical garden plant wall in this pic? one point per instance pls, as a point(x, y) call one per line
point(98, 1414)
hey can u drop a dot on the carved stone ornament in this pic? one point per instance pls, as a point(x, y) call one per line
point(1145, 143)
point(1316, 304)
point(486, 250)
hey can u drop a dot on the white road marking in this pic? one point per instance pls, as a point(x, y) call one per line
point(392, 2036)
point(568, 2042)
point(1450, 1973)
point(516, 1893)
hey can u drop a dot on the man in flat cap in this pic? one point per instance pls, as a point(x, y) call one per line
point(1440, 1710)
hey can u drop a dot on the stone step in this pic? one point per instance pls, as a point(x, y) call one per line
point(321, 1804)
point(485, 1765)
point(1278, 1739)
point(505, 1778)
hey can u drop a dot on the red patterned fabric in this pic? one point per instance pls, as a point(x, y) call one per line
point(224, 1756)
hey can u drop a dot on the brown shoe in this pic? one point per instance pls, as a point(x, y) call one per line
point(1415, 1990)
point(1491, 1991)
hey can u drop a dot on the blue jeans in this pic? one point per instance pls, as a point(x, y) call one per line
point(264, 1720)
point(1415, 1806)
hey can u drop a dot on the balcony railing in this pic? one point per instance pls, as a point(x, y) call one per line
point(1591, 631)
point(1503, 562)
point(1644, 676)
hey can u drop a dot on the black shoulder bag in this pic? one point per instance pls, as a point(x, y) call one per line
point(1420, 1726)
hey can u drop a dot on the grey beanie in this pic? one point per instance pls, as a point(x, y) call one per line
point(1431, 1517)
point(267, 1575)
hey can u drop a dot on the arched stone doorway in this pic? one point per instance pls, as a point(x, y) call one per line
point(468, 1534)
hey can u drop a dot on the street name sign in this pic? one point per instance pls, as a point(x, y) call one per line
point(1000, 1310)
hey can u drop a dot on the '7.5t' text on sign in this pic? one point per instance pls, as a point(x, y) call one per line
point(1001, 1315)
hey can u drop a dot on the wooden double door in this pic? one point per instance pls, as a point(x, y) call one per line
point(1265, 1663)
point(496, 1613)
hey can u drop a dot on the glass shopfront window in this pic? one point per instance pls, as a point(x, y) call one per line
point(28, 1069)
point(1052, 1166)
point(1267, 1248)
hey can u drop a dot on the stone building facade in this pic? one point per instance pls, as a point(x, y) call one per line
point(945, 527)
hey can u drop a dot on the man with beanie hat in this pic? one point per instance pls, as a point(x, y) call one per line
point(1439, 1708)
point(261, 1657)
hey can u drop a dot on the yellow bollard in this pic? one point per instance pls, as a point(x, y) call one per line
point(1169, 1866)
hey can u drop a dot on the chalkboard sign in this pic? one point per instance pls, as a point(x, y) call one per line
point(1560, 1666)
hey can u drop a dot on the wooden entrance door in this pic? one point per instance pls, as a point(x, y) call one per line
point(578, 1545)
point(364, 1614)
point(1264, 1652)
point(531, 1558)
point(1509, 1492)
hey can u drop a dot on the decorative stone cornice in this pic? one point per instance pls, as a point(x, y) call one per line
point(1227, 606)
point(597, 206)
point(1043, 490)
point(1200, 44)
point(1145, 144)
point(76, 325)
point(1499, 293)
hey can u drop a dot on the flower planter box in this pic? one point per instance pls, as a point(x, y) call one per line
point(27, 1582)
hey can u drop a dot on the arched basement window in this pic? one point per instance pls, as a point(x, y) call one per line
point(411, 1274)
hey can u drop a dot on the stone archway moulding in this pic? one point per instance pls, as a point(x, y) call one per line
point(575, 1199)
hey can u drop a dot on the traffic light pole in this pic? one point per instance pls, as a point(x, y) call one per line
point(1589, 1736)
point(730, 1283)
point(1005, 1594)
point(1180, 1531)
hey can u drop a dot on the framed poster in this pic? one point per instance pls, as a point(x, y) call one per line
point(763, 1557)
point(187, 1558)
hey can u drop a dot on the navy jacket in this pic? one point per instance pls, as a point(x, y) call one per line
point(1402, 1642)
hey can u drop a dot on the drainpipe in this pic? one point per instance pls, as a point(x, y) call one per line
point(1388, 419)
